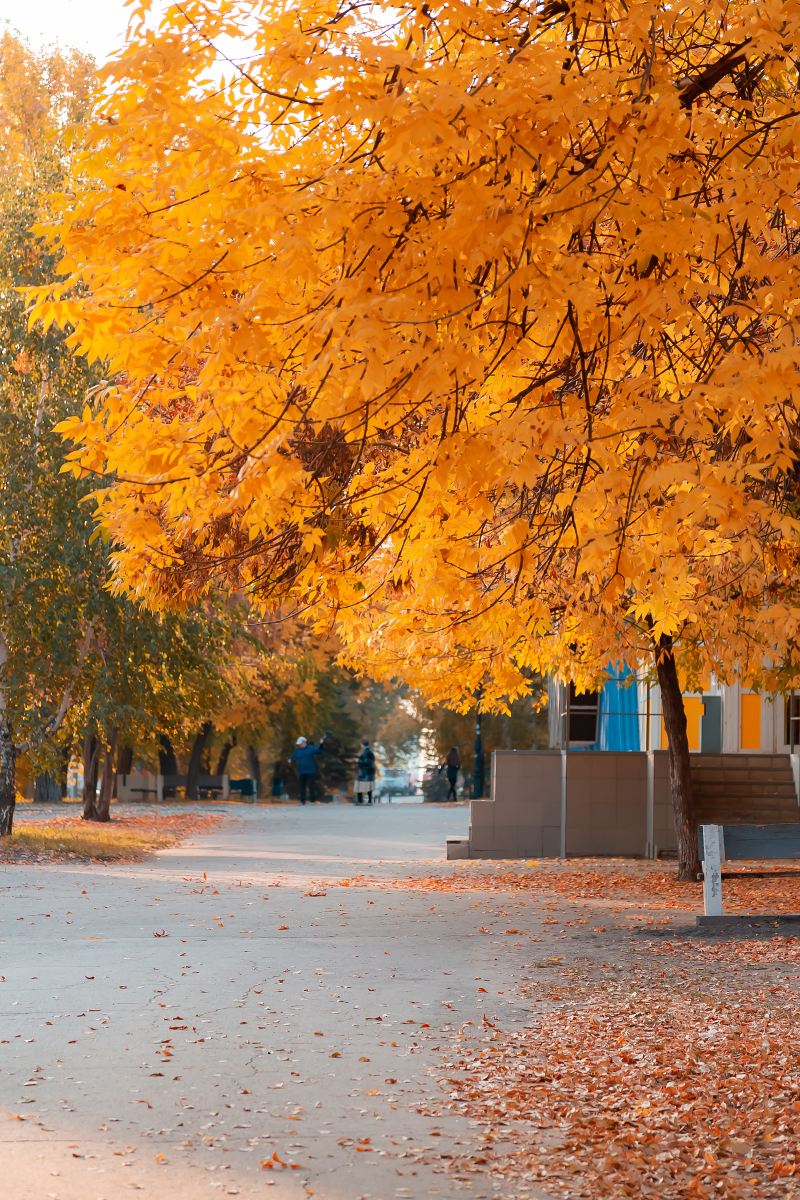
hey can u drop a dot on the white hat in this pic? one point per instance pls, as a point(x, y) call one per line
point(301, 741)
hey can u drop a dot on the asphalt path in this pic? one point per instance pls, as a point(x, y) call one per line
point(172, 1028)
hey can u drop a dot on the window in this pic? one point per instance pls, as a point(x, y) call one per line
point(582, 716)
point(791, 709)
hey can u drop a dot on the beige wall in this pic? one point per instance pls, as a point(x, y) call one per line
point(523, 817)
point(664, 839)
point(603, 795)
point(606, 803)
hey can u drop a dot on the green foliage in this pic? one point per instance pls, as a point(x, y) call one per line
point(523, 728)
point(69, 644)
point(46, 577)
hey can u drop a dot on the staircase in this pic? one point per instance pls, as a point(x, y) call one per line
point(744, 789)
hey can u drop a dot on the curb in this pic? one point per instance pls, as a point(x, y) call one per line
point(764, 921)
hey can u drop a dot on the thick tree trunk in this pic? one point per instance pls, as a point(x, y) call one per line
point(254, 767)
point(47, 788)
point(8, 777)
point(167, 762)
point(680, 774)
point(196, 759)
point(91, 764)
point(102, 808)
point(224, 755)
point(124, 762)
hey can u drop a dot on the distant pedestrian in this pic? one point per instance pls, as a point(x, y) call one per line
point(452, 765)
point(304, 758)
point(365, 773)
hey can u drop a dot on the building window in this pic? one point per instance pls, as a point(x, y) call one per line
point(582, 717)
point(791, 709)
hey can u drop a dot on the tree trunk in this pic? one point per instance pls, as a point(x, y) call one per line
point(63, 770)
point(254, 767)
point(8, 777)
point(167, 762)
point(125, 760)
point(102, 808)
point(224, 755)
point(124, 763)
point(195, 761)
point(47, 788)
point(680, 774)
point(91, 763)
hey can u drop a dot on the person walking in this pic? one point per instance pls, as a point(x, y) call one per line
point(304, 758)
point(452, 764)
point(365, 773)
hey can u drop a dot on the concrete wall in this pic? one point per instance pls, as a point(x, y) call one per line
point(663, 837)
point(545, 804)
point(141, 786)
point(523, 817)
point(589, 802)
point(606, 805)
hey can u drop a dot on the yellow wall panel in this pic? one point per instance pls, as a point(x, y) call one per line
point(694, 714)
point(750, 722)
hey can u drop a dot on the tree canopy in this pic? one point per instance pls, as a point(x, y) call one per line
point(80, 666)
point(490, 307)
point(475, 325)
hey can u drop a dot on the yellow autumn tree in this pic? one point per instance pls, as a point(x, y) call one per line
point(471, 325)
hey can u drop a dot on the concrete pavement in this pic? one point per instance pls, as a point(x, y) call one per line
point(169, 1027)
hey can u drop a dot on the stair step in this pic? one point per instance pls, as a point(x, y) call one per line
point(749, 774)
point(715, 819)
point(756, 809)
point(721, 804)
point(748, 803)
point(722, 798)
point(740, 760)
point(737, 768)
point(744, 788)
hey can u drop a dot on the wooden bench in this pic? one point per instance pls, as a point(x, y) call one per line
point(242, 787)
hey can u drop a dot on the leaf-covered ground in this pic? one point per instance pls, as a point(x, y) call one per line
point(654, 1060)
point(624, 885)
point(123, 839)
point(632, 1088)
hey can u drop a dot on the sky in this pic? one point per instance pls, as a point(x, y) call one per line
point(95, 26)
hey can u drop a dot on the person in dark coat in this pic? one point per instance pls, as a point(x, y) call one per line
point(452, 765)
point(365, 772)
point(304, 758)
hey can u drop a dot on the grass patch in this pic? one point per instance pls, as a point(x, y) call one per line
point(123, 839)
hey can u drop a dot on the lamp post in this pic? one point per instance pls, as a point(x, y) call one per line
point(477, 762)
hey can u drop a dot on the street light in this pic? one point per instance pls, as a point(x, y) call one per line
point(477, 764)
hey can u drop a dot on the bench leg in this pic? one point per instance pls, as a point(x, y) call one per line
point(712, 870)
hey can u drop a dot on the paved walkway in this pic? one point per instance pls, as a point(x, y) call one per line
point(169, 1027)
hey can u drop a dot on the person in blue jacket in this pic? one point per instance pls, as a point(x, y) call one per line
point(304, 758)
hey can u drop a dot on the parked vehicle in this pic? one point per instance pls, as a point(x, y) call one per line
point(393, 783)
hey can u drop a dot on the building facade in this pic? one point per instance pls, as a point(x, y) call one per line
point(625, 714)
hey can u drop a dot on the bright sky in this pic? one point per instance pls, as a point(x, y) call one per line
point(95, 26)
